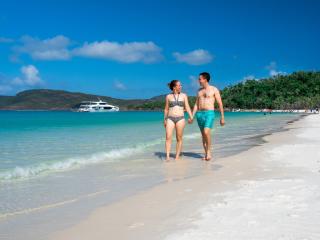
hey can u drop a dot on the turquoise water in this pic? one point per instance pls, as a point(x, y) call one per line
point(36, 143)
point(50, 161)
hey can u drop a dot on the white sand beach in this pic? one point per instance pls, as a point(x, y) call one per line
point(271, 191)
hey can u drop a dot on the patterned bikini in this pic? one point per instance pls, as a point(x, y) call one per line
point(174, 103)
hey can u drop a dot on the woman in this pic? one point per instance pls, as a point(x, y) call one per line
point(176, 102)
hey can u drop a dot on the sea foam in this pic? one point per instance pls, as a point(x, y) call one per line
point(27, 172)
point(72, 163)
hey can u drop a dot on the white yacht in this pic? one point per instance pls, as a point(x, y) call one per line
point(97, 106)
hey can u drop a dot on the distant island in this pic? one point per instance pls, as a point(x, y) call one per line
point(299, 90)
point(48, 99)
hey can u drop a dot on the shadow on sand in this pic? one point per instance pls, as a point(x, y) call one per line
point(192, 155)
point(162, 155)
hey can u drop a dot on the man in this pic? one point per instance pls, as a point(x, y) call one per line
point(204, 111)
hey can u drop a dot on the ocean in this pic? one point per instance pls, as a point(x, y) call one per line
point(68, 163)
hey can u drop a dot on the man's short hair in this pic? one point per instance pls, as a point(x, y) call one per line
point(205, 75)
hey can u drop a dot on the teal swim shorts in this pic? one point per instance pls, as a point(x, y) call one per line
point(205, 119)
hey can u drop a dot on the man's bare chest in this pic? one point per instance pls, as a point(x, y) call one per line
point(206, 95)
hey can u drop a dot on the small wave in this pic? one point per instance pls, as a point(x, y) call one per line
point(71, 163)
point(192, 136)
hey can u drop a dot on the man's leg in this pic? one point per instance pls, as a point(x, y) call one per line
point(207, 135)
point(201, 123)
point(204, 143)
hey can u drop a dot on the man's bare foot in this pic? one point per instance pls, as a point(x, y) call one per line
point(205, 157)
point(167, 158)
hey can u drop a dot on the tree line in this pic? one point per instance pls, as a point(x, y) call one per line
point(299, 90)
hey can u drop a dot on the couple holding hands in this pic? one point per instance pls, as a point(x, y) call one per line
point(203, 111)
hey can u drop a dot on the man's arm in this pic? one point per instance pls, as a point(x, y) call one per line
point(220, 104)
point(195, 109)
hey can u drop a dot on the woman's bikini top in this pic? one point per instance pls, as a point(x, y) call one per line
point(176, 102)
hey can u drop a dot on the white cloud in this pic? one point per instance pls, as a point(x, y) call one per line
point(119, 85)
point(6, 40)
point(59, 48)
point(272, 67)
point(30, 77)
point(55, 48)
point(130, 52)
point(196, 57)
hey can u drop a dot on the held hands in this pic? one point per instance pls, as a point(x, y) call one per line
point(222, 123)
point(190, 120)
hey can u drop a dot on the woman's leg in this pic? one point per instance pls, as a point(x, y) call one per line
point(179, 133)
point(169, 130)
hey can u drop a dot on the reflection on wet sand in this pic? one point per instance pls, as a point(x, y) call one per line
point(185, 168)
point(176, 170)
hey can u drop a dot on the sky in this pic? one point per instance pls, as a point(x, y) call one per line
point(132, 49)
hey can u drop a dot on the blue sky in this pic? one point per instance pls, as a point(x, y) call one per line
point(132, 49)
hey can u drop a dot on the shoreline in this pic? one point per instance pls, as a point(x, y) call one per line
point(162, 209)
point(289, 111)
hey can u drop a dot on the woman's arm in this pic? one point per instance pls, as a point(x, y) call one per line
point(195, 109)
point(187, 106)
point(166, 111)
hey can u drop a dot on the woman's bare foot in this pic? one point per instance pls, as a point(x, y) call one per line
point(168, 158)
point(205, 157)
point(208, 158)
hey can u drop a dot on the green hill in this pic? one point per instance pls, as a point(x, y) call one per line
point(46, 99)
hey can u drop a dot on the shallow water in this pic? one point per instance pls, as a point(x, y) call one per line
point(50, 161)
